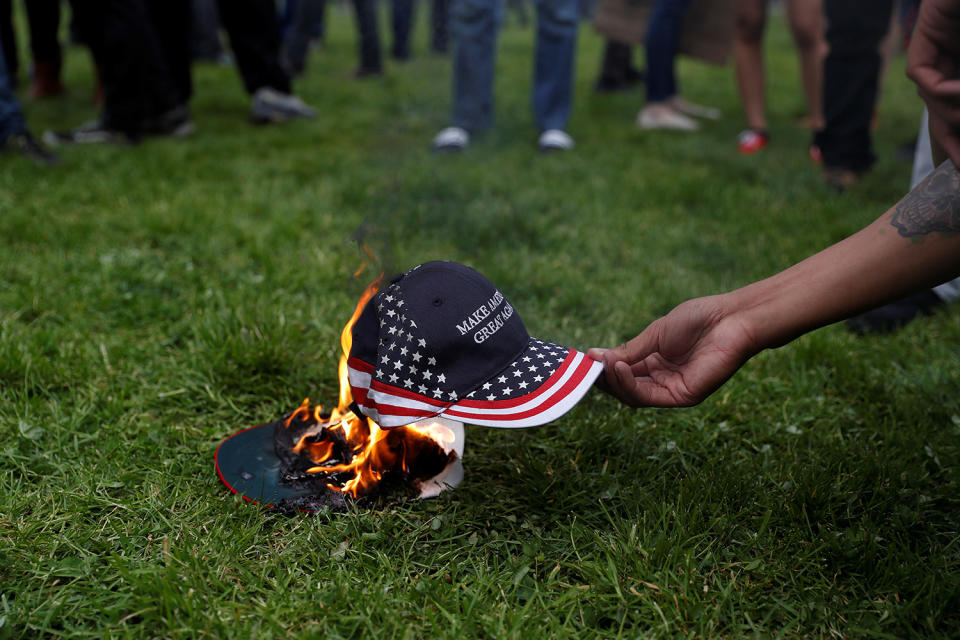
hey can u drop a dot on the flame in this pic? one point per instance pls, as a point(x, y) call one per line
point(421, 450)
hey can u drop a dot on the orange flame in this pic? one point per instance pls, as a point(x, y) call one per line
point(375, 452)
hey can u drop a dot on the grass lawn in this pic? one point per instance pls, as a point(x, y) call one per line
point(153, 300)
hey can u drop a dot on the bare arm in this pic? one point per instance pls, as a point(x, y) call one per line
point(683, 357)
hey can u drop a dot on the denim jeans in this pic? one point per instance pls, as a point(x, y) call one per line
point(11, 118)
point(474, 26)
point(663, 37)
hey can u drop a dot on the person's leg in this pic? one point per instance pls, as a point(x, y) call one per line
point(440, 25)
point(43, 19)
point(368, 37)
point(751, 18)
point(617, 72)
point(254, 31)
point(171, 20)
point(137, 80)
point(474, 25)
point(8, 42)
point(553, 67)
point(663, 37)
point(205, 31)
point(855, 30)
point(11, 117)
point(806, 24)
point(402, 25)
point(306, 16)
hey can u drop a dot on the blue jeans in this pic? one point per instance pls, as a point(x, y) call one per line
point(474, 26)
point(11, 118)
point(663, 37)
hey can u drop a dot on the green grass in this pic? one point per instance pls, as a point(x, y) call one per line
point(154, 300)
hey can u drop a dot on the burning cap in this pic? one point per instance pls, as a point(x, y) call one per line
point(441, 339)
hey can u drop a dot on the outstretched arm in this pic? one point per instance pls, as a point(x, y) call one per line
point(684, 356)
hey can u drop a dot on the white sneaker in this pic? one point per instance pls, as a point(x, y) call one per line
point(269, 105)
point(555, 140)
point(451, 139)
point(658, 117)
point(695, 110)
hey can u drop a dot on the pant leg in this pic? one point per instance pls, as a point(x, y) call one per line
point(254, 32)
point(402, 25)
point(136, 79)
point(368, 34)
point(557, 22)
point(474, 24)
point(663, 38)
point(11, 117)
point(851, 77)
point(440, 25)
point(43, 19)
point(8, 42)
point(172, 22)
point(307, 14)
point(205, 31)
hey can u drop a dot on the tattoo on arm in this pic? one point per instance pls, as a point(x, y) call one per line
point(933, 206)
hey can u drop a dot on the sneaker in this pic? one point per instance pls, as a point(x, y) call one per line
point(451, 139)
point(30, 148)
point(93, 132)
point(555, 140)
point(272, 106)
point(664, 117)
point(694, 110)
point(752, 140)
point(175, 123)
point(889, 318)
point(816, 156)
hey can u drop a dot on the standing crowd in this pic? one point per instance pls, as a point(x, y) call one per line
point(143, 51)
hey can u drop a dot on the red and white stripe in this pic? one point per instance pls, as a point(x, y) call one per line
point(391, 406)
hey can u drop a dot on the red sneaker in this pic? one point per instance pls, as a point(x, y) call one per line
point(752, 140)
point(815, 154)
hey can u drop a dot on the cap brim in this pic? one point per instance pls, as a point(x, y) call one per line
point(551, 398)
point(248, 464)
point(558, 394)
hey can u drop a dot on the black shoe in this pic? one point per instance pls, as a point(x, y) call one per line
point(174, 123)
point(94, 132)
point(624, 81)
point(895, 315)
point(30, 148)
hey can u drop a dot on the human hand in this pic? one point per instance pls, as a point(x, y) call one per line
point(679, 359)
point(933, 62)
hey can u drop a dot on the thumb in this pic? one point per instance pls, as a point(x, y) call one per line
point(596, 353)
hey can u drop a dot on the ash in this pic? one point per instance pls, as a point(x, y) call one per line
point(394, 487)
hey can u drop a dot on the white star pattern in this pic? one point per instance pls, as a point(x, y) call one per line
point(424, 375)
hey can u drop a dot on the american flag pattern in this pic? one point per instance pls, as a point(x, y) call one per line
point(405, 385)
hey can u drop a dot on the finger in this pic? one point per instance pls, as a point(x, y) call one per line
point(644, 391)
point(639, 347)
point(596, 353)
